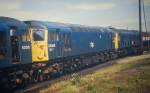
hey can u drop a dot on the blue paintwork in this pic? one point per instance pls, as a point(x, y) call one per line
point(80, 36)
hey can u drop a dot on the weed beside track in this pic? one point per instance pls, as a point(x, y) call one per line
point(127, 75)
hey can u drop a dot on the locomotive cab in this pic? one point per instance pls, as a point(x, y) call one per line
point(10, 41)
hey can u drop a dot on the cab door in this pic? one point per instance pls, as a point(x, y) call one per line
point(39, 45)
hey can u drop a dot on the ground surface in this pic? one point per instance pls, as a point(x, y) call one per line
point(126, 75)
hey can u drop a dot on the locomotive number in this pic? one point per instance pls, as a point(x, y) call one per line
point(25, 47)
point(51, 45)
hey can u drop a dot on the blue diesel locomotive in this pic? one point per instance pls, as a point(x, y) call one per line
point(33, 51)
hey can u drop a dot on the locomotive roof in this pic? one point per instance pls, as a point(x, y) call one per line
point(42, 23)
point(77, 27)
point(11, 21)
point(6, 23)
point(74, 27)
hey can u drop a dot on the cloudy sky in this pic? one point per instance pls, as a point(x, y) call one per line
point(117, 13)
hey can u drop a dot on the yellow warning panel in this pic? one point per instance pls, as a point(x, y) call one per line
point(116, 40)
point(39, 45)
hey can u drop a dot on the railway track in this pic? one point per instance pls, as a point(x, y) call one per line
point(34, 88)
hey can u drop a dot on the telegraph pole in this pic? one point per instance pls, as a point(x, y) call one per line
point(140, 25)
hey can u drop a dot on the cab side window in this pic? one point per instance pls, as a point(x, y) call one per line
point(26, 36)
point(67, 41)
point(53, 35)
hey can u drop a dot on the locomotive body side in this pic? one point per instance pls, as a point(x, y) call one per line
point(89, 40)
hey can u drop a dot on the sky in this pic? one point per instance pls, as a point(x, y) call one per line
point(116, 13)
